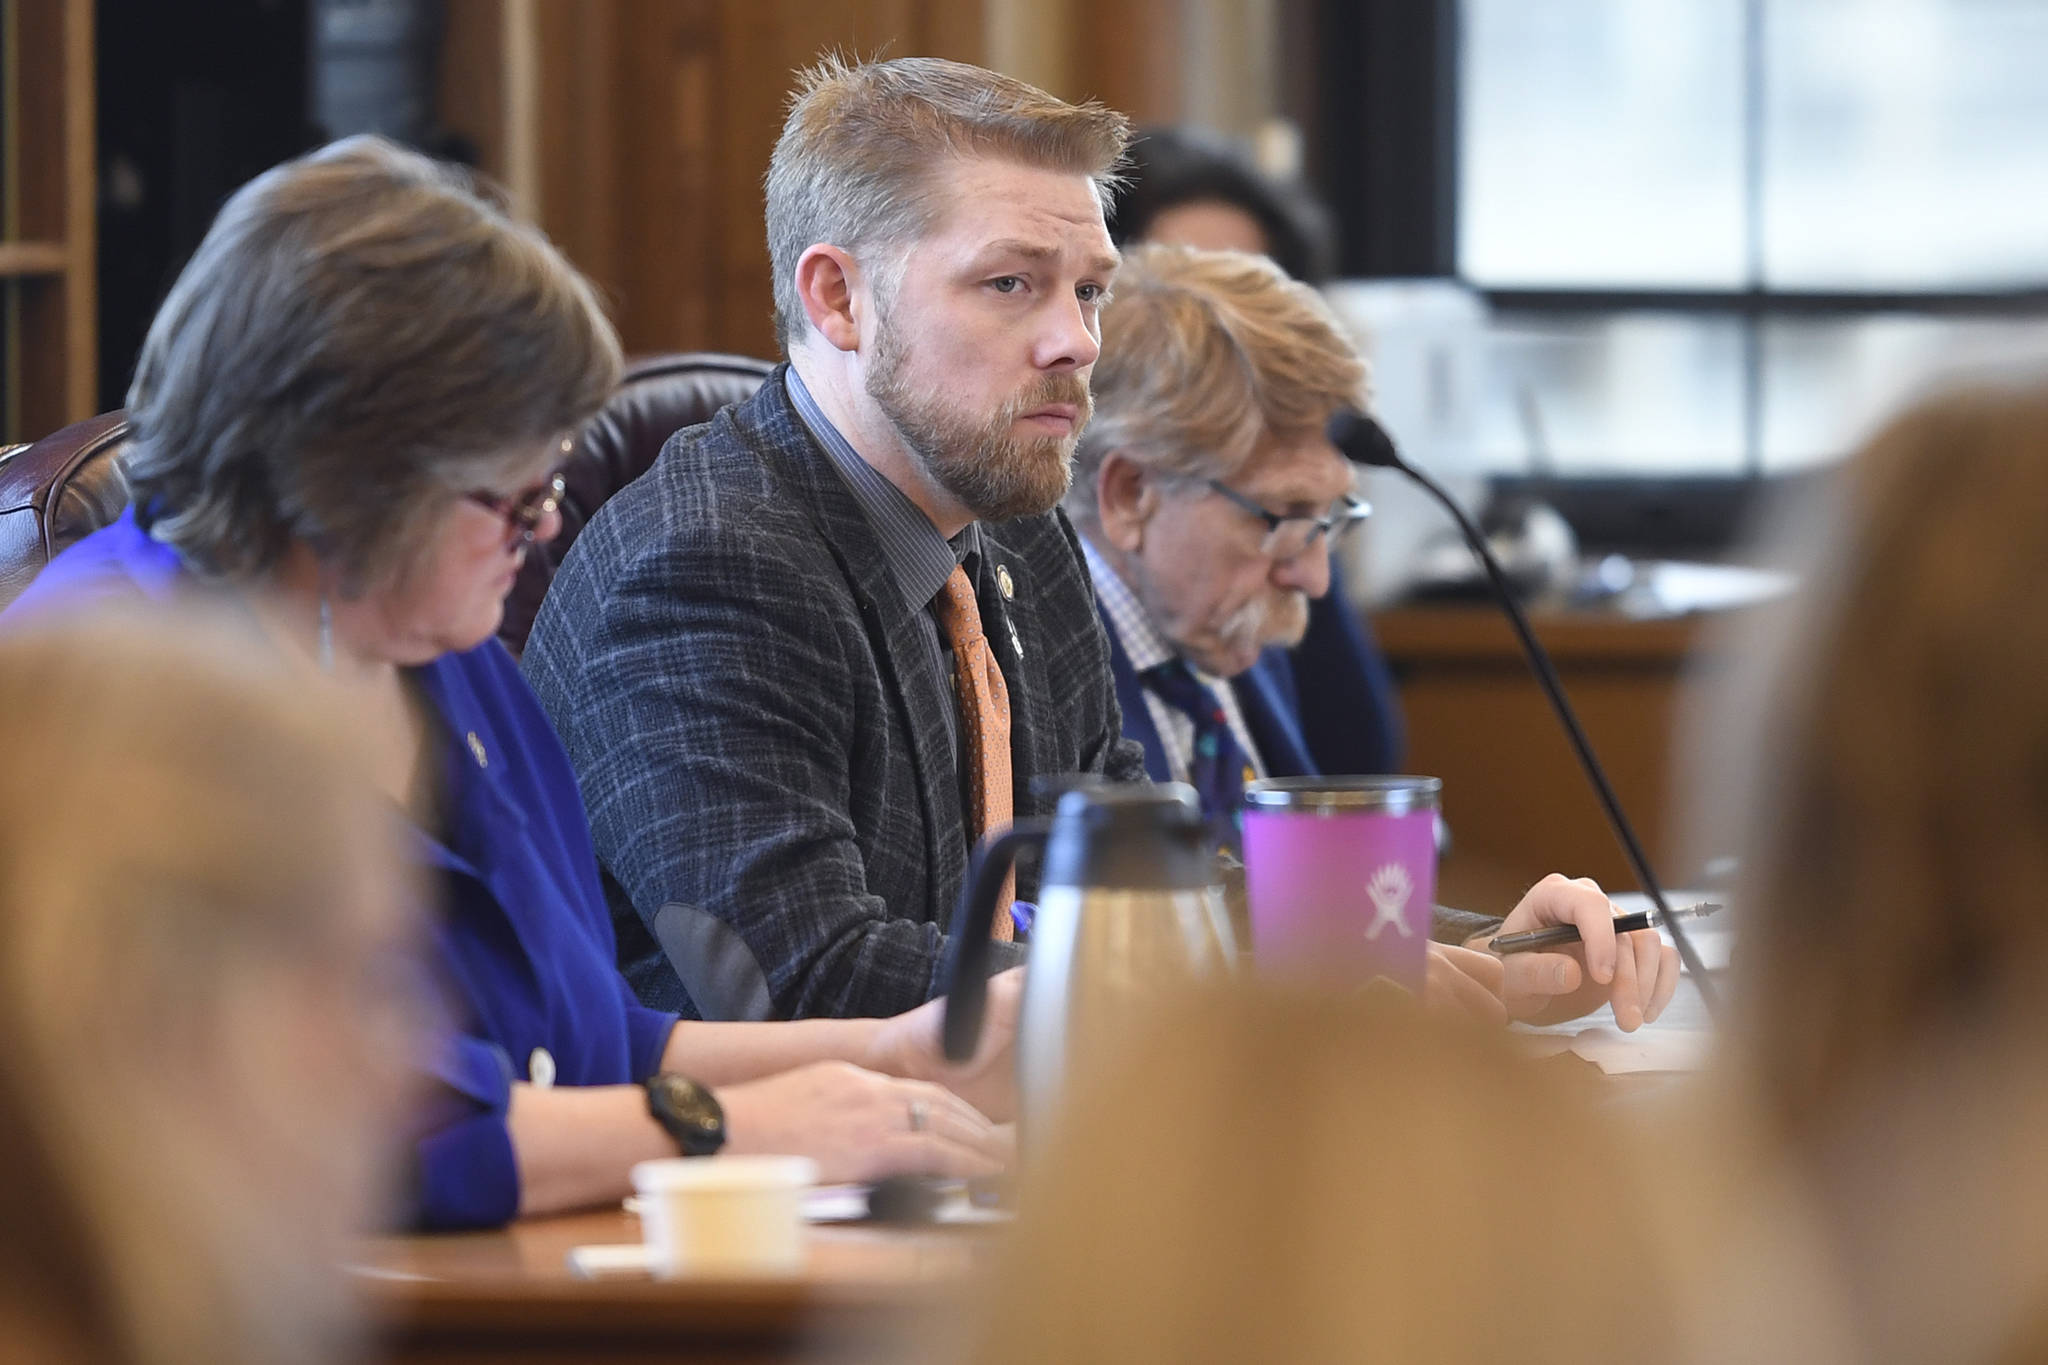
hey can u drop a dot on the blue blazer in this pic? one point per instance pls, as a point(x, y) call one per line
point(520, 942)
point(1326, 706)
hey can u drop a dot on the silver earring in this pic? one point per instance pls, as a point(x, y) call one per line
point(326, 635)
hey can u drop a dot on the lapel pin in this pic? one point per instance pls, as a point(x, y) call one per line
point(1004, 582)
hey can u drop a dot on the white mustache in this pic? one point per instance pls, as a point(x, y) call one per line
point(1249, 627)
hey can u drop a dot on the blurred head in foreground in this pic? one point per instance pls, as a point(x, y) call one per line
point(1898, 848)
point(1901, 845)
point(1281, 1177)
point(195, 906)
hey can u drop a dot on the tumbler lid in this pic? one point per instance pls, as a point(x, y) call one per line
point(1385, 795)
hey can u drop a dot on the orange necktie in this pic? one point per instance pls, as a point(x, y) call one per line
point(984, 702)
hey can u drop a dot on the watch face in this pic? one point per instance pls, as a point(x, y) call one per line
point(689, 1113)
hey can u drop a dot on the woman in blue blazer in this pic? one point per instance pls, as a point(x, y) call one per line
point(347, 417)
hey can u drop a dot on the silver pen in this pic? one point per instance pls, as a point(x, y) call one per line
point(1557, 935)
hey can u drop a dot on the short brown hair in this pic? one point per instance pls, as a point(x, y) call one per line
point(1204, 355)
point(359, 336)
point(1897, 852)
point(858, 163)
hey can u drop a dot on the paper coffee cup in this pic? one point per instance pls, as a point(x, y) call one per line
point(725, 1215)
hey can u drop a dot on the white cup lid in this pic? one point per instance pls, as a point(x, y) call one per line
point(725, 1173)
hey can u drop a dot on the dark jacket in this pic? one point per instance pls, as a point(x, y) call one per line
point(761, 736)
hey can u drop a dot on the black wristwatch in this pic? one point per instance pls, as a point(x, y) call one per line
point(688, 1111)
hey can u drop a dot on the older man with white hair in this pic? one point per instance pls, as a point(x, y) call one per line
point(1208, 498)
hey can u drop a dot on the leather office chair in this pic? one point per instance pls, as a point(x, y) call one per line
point(659, 396)
point(56, 491)
point(60, 489)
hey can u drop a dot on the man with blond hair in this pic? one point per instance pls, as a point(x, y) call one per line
point(833, 636)
point(1208, 499)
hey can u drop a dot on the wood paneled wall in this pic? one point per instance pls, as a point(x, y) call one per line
point(636, 132)
point(1514, 797)
point(47, 221)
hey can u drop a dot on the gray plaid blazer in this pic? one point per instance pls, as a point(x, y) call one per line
point(760, 735)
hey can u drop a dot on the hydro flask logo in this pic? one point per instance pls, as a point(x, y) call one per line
point(1389, 890)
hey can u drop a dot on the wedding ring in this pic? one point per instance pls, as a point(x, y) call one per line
point(920, 1116)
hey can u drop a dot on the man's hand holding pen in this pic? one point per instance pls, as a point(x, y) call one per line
point(1636, 972)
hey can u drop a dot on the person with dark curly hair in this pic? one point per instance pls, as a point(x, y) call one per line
point(1192, 188)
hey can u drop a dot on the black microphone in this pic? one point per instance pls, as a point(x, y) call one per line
point(1364, 441)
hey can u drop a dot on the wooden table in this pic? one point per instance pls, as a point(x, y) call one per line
point(1513, 794)
point(508, 1296)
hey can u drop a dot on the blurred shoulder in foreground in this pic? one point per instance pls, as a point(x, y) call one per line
point(1276, 1176)
point(196, 892)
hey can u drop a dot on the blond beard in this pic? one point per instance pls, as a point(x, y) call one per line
point(993, 474)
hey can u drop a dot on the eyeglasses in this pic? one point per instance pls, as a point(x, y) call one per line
point(1289, 537)
point(523, 512)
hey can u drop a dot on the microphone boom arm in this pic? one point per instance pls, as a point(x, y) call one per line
point(1351, 433)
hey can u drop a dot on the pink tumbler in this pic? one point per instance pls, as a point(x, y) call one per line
point(1340, 873)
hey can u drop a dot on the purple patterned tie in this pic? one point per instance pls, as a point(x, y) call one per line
point(1217, 770)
